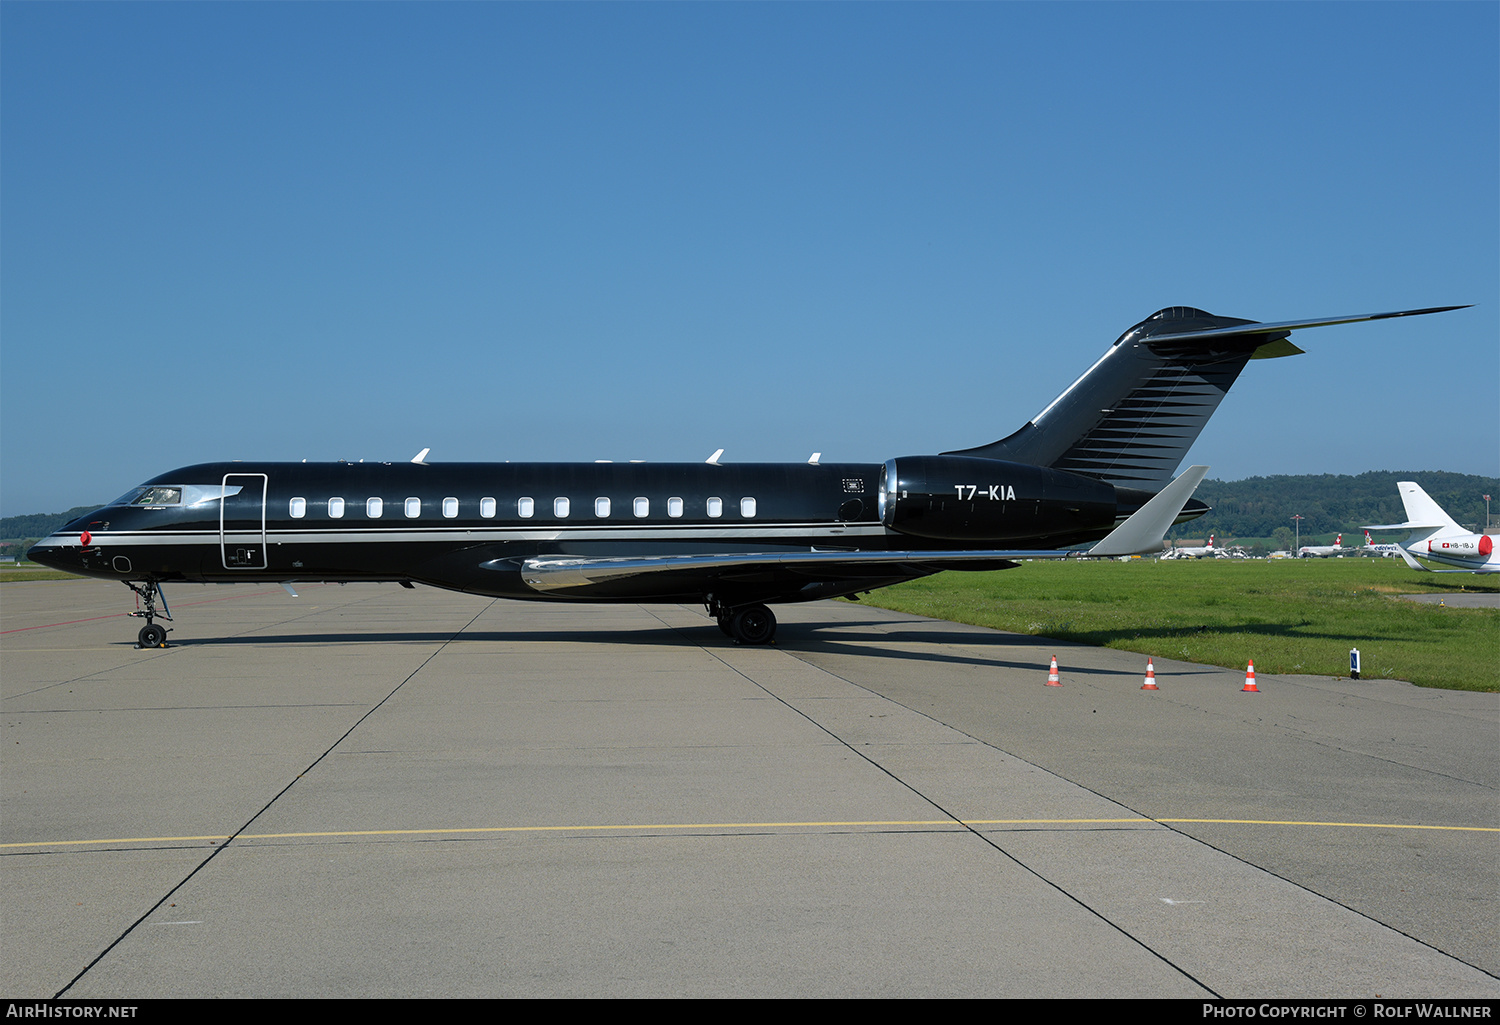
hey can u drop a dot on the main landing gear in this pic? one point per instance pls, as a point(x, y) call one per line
point(747, 624)
point(152, 635)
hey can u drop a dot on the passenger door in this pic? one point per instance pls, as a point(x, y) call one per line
point(242, 521)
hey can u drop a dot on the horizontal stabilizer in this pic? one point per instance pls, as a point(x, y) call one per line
point(1242, 330)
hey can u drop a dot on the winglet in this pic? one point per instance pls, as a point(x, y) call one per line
point(1413, 563)
point(421, 456)
point(1147, 526)
point(713, 460)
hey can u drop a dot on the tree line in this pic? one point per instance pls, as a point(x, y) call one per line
point(1331, 503)
point(17, 533)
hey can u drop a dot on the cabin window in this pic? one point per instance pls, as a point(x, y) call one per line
point(747, 508)
point(560, 508)
point(450, 508)
point(487, 508)
point(674, 507)
point(525, 508)
point(715, 508)
point(374, 507)
point(335, 508)
point(601, 507)
point(413, 508)
point(299, 508)
point(642, 507)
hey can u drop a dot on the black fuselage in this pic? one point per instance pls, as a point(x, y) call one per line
point(470, 526)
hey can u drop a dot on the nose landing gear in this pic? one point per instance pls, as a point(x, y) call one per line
point(147, 593)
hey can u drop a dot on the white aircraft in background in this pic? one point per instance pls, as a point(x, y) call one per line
point(1207, 550)
point(1436, 537)
point(1323, 551)
point(1372, 547)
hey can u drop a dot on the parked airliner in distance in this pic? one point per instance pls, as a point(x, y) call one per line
point(1324, 551)
point(1095, 463)
point(1372, 547)
point(1438, 538)
point(1193, 552)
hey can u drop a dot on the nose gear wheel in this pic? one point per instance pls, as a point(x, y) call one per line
point(152, 635)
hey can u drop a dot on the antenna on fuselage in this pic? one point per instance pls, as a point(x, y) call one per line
point(713, 460)
point(420, 456)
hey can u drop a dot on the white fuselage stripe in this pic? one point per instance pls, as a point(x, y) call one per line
point(477, 535)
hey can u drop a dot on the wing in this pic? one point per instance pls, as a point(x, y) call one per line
point(1141, 532)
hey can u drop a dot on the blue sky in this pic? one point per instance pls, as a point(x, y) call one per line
point(585, 231)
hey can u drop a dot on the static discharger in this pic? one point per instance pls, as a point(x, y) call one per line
point(1150, 683)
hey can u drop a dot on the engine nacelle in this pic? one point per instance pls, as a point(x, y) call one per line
point(1465, 546)
point(967, 498)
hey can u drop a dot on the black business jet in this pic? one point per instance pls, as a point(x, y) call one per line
point(1097, 463)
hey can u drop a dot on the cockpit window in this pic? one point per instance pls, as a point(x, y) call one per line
point(128, 498)
point(159, 496)
point(156, 495)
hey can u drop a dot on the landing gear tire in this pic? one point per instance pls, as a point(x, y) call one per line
point(753, 624)
point(147, 593)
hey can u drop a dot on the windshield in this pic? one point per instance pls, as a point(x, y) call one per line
point(157, 495)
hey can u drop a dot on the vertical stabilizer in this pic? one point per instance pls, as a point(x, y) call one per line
point(1133, 415)
point(1422, 511)
point(1131, 418)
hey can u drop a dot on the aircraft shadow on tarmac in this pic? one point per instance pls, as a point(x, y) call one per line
point(801, 636)
point(808, 638)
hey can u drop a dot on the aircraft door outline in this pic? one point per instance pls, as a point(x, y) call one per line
point(241, 544)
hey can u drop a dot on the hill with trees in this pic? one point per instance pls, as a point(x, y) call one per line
point(17, 533)
point(1330, 503)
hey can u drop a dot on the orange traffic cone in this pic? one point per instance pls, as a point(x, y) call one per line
point(1150, 683)
point(1250, 686)
point(1052, 680)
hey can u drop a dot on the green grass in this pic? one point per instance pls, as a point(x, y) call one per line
point(1290, 616)
point(33, 571)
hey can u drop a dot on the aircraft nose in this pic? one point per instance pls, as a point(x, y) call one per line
point(47, 553)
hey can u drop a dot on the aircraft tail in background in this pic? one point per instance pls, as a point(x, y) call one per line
point(1437, 537)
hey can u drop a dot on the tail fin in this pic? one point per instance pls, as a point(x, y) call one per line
point(1133, 415)
point(1422, 511)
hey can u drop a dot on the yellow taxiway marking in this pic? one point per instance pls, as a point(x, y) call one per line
point(864, 823)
